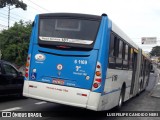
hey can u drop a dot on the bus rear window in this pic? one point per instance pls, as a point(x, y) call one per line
point(72, 33)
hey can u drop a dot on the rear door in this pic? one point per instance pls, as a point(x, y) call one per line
point(134, 68)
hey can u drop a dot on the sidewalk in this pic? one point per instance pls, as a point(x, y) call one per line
point(156, 91)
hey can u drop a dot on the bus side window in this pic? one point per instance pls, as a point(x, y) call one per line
point(119, 54)
point(142, 66)
point(123, 51)
point(120, 49)
point(125, 56)
point(126, 52)
point(130, 53)
point(111, 48)
point(116, 47)
point(112, 52)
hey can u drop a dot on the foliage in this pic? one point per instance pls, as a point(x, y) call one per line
point(17, 3)
point(155, 51)
point(14, 42)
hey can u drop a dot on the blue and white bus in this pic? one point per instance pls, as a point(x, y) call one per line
point(84, 61)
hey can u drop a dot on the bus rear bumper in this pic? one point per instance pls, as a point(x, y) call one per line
point(61, 94)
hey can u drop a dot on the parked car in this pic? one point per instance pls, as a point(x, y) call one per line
point(11, 80)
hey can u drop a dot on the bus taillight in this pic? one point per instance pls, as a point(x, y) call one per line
point(27, 67)
point(98, 80)
point(95, 85)
point(27, 64)
point(26, 75)
point(98, 73)
point(98, 66)
point(97, 77)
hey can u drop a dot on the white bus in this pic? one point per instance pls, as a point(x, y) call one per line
point(84, 61)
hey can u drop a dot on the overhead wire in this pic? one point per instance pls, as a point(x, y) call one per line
point(14, 17)
point(39, 6)
point(4, 26)
point(17, 15)
point(3, 20)
point(34, 8)
point(10, 16)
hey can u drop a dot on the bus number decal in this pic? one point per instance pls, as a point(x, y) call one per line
point(81, 62)
point(78, 68)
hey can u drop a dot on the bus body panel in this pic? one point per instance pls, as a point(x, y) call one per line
point(104, 36)
point(75, 68)
point(112, 88)
point(62, 94)
point(56, 93)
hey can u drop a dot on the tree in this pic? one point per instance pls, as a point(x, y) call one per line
point(17, 3)
point(155, 51)
point(14, 42)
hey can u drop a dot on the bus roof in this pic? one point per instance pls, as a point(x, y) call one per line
point(72, 15)
point(117, 30)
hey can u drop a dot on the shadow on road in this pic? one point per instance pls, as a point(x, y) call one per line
point(9, 98)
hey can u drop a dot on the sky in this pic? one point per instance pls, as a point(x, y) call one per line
point(137, 18)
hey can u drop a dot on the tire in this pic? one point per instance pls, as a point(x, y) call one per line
point(139, 89)
point(121, 99)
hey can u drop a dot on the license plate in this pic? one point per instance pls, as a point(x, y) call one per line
point(58, 81)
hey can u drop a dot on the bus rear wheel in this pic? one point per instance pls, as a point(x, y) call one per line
point(139, 89)
point(121, 99)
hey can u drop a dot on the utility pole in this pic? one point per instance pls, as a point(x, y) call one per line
point(9, 9)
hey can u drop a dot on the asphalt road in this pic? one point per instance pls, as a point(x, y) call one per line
point(143, 102)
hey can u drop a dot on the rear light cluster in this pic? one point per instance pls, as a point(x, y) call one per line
point(97, 77)
point(27, 67)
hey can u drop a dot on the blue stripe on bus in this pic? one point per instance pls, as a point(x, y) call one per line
point(115, 90)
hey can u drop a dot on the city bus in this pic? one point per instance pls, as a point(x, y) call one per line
point(84, 61)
